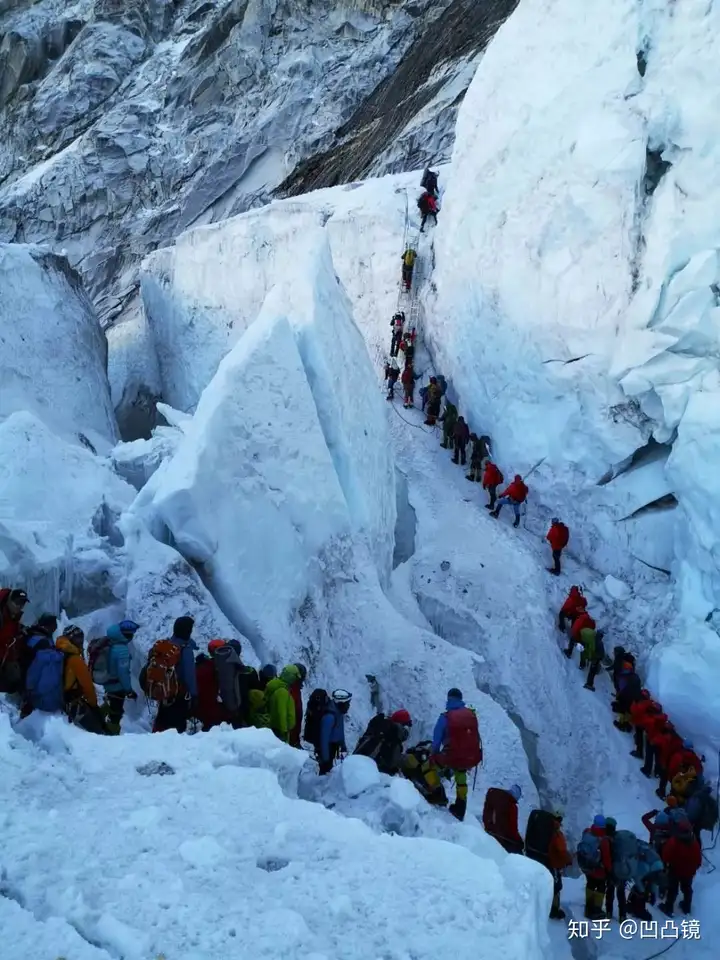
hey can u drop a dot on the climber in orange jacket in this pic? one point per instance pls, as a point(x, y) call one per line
point(515, 495)
point(557, 536)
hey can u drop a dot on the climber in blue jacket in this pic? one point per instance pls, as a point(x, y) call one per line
point(332, 730)
point(119, 688)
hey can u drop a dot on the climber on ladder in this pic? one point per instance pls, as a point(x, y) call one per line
point(408, 265)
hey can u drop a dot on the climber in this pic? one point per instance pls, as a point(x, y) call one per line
point(500, 817)
point(37, 637)
point(448, 420)
point(515, 495)
point(429, 181)
point(392, 373)
point(433, 402)
point(427, 204)
point(408, 264)
point(12, 607)
point(593, 654)
point(383, 740)
point(623, 853)
point(259, 712)
point(209, 711)
point(169, 677)
point(701, 808)
point(81, 705)
point(235, 681)
point(456, 749)
point(492, 478)
point(397, 324)
point(408, 382)
point(637, 713)
point(682, 856)
point(557, 536)
point(582, 622)
point(684, 759)
point(281, 703)
point(628, 691)
point(595, 860)
point(461, 435)
point(408, 348)
point(658, 825)
point(620, 656)
point(118, 688)
point(575, 604)
point(545, 843)
point(648, 874)
point(332, 730)
point(652, 723)
point(684, 783)
point(667, 742)
point(476, 459)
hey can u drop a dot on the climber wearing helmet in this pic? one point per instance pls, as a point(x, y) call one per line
point(332, 730)
point(383, 740)
point(392, 373)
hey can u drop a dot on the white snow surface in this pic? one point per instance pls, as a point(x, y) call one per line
point(53, 355)
point(576, 308)
point(319, 883)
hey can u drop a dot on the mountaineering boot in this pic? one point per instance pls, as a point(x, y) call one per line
point(457, 809)
point(470, 477)
point(636, 753)
point(685, 906)
point(516, 522)
point(598, 900)
point(553, 571)
point(444, 445)
point(557, 914)
point(494, 514)
point(588, 686)
point(590, 908)
point(660, 793)
point(488, 507)
point(568, 654)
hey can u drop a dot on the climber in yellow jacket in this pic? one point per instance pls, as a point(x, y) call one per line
point(281, 703)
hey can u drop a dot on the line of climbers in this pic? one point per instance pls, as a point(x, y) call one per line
point(612, 858)
point(457, 435)
point(428, 206)
point(217, 687)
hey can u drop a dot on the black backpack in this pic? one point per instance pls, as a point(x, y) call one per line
point(539, 833)
point(317, 706)
point(381, 742)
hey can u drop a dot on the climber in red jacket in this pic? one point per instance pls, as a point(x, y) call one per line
point(492, 478)
point(557, 536)
point(515, 495)
point(682, 855)
point(669, 742)
point(575, 604)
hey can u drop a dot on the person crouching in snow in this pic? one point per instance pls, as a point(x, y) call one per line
point(557, 536)
point(515, 495)
point(408, 382)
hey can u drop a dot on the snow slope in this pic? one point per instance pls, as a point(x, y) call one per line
point(164, 862)
point(576, 308)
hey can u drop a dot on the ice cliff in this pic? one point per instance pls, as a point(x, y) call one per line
point(577, 298)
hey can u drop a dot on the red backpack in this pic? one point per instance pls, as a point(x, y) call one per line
point(463, 747)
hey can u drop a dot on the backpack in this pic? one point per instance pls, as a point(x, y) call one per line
point(648, 863)
point(99, 661)
point(539, 833)
point(463, 748)
point(45, 680)
point(228, 670)
point(496, 814)
point(160, 681)
point(317, 706)
point(588, 852)
point(381, 742)
point(624, 854)
point(702, 808)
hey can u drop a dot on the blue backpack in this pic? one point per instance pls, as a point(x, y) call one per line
point(624, 854)
point(44, 682)
point(588, 852)
point(648, 863)
point(702, 809)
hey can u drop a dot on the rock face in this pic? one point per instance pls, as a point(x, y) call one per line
point(124, 123)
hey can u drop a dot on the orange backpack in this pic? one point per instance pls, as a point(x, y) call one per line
point(161, 681)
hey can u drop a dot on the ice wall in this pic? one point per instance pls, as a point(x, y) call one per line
point(53, 355)
point(202, 295)
point(577, 278)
